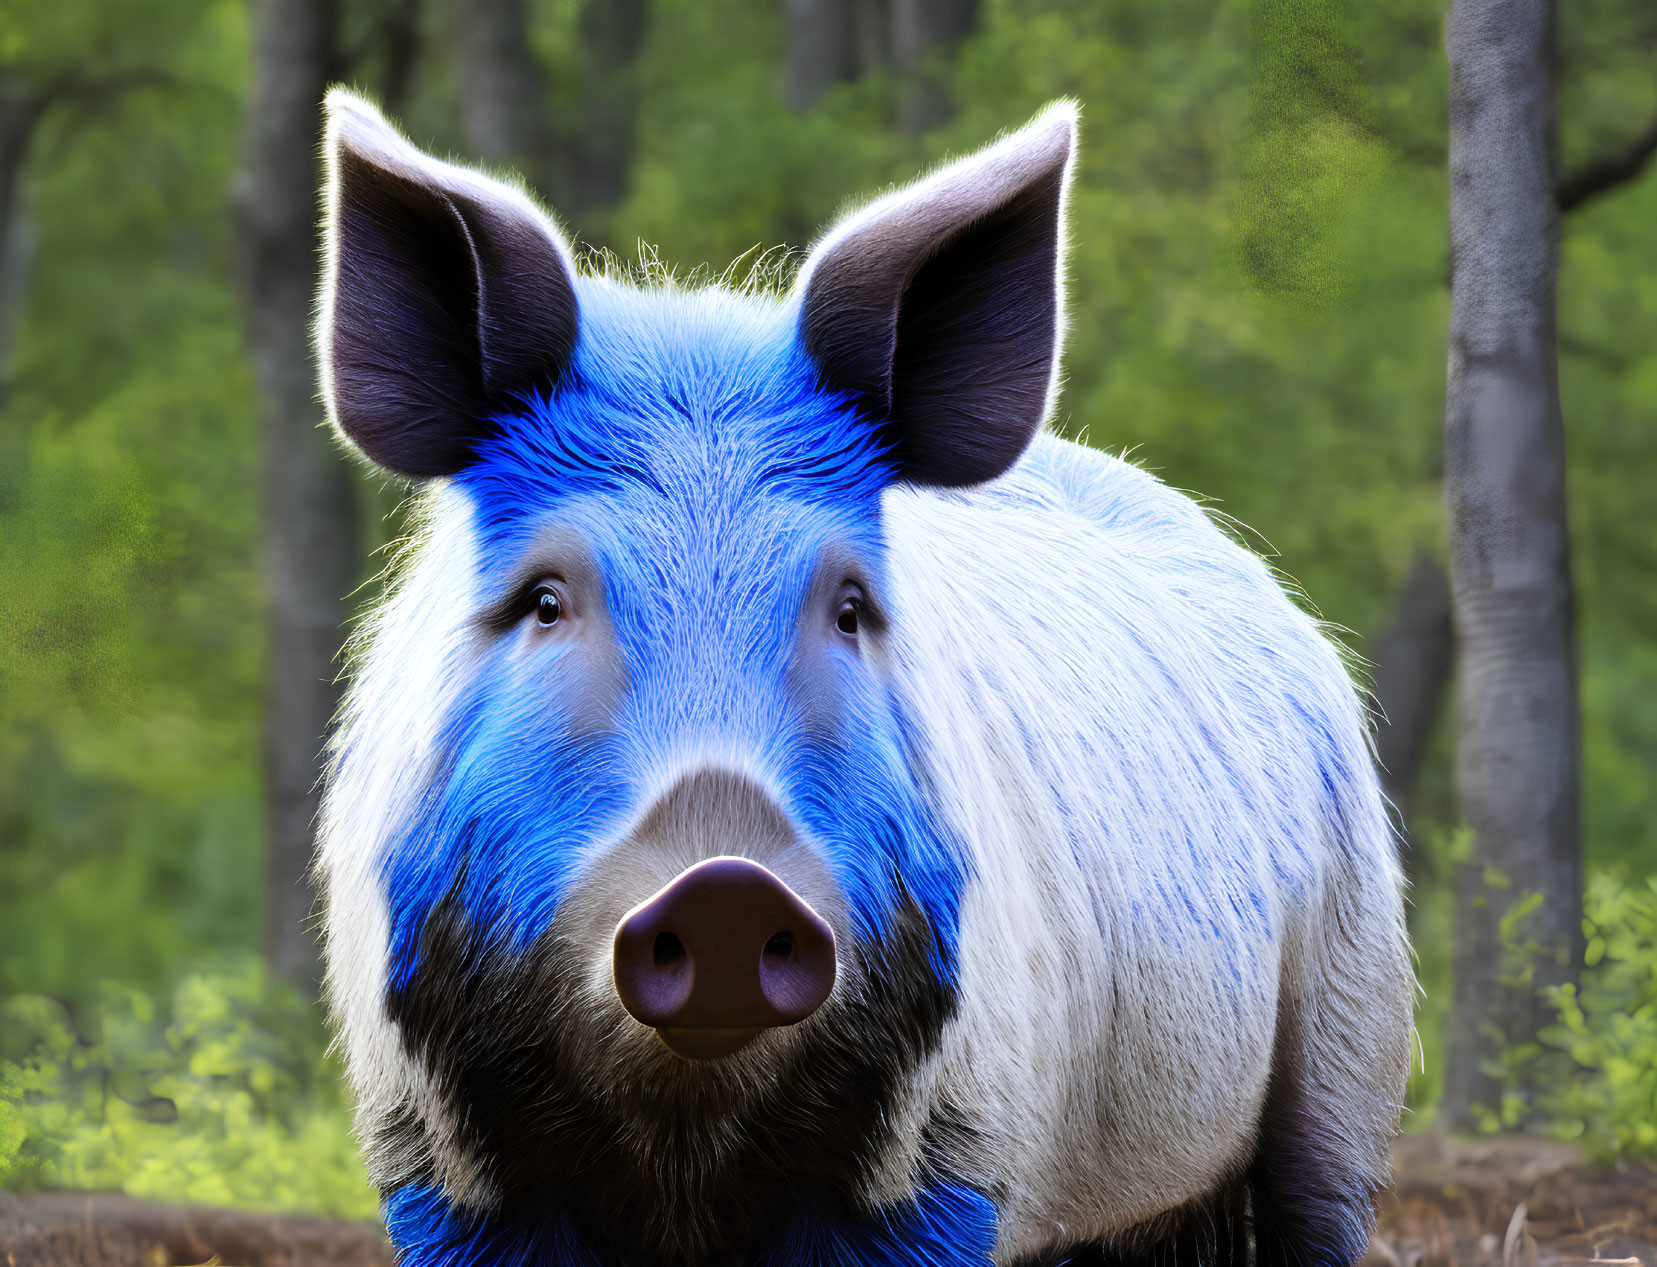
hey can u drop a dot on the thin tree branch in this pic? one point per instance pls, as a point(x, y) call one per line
point(1607, 172)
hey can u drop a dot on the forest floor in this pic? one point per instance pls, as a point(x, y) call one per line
point(1512, 1201)
point(1499, 1202)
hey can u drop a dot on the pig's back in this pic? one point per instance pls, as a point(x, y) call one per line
point(1157, 766)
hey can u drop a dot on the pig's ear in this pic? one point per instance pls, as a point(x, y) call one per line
point(940, 306)
point(447, 298)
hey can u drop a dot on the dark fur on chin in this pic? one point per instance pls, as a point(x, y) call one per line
point(655, 1169)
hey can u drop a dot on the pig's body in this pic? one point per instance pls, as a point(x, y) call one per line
point(1182, 873)
point(1083, 799)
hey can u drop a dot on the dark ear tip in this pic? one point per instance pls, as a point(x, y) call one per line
point(938, 306)
point(446, 295)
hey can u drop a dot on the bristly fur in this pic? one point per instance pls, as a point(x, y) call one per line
point(1086, 800)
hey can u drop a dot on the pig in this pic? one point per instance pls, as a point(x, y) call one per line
point(792, 809)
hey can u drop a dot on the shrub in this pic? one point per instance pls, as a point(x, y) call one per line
point(218, 1092)
point(1608, 1026)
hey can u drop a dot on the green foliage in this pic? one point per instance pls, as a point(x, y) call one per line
point(129, 594)
point(1520, 1062)
point(1596, 1061)
point(1432, 915)
point(1257, 309)
point(215, 1092)
point(1608, 1027)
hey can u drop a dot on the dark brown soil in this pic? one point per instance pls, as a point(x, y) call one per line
point(1508, 1202)
point(1456, 1203)
point(63, 1229)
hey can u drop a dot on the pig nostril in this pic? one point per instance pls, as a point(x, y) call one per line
point(722, 951)
point(667, 951)
point(780, 946)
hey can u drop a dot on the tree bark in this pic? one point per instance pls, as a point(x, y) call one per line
point(1516, 761)
point(1413, 655)
point(310, 529)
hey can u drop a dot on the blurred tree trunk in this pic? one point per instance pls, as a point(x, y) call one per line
point(837, 41)
point(918, 28)
point(400, 43)
point(580, 163)
point(310, 531)
point(27, 95)
point(612, 36)
point(503, 94)
point(871, 36)
point(20, 110)
point(1516, 763)
point(1414, 656)
point(823, 49)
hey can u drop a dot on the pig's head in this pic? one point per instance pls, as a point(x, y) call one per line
point(630, 865)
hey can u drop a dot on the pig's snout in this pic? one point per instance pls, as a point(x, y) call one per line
point(724, 950)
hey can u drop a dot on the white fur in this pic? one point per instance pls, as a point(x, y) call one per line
point(1105, 1071)
point(1103, 1066)
point(423, 646)
point(1104, 686)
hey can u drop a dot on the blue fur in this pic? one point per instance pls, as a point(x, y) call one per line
point(429, 1232)
point(692, 447)
point(943, 1225)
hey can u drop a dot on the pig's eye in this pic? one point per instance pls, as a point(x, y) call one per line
point(854, 613)
point(548, 607)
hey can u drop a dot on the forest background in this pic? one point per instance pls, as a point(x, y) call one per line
point(1258, 312)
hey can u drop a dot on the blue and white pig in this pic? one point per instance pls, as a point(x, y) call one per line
point(791, 810)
